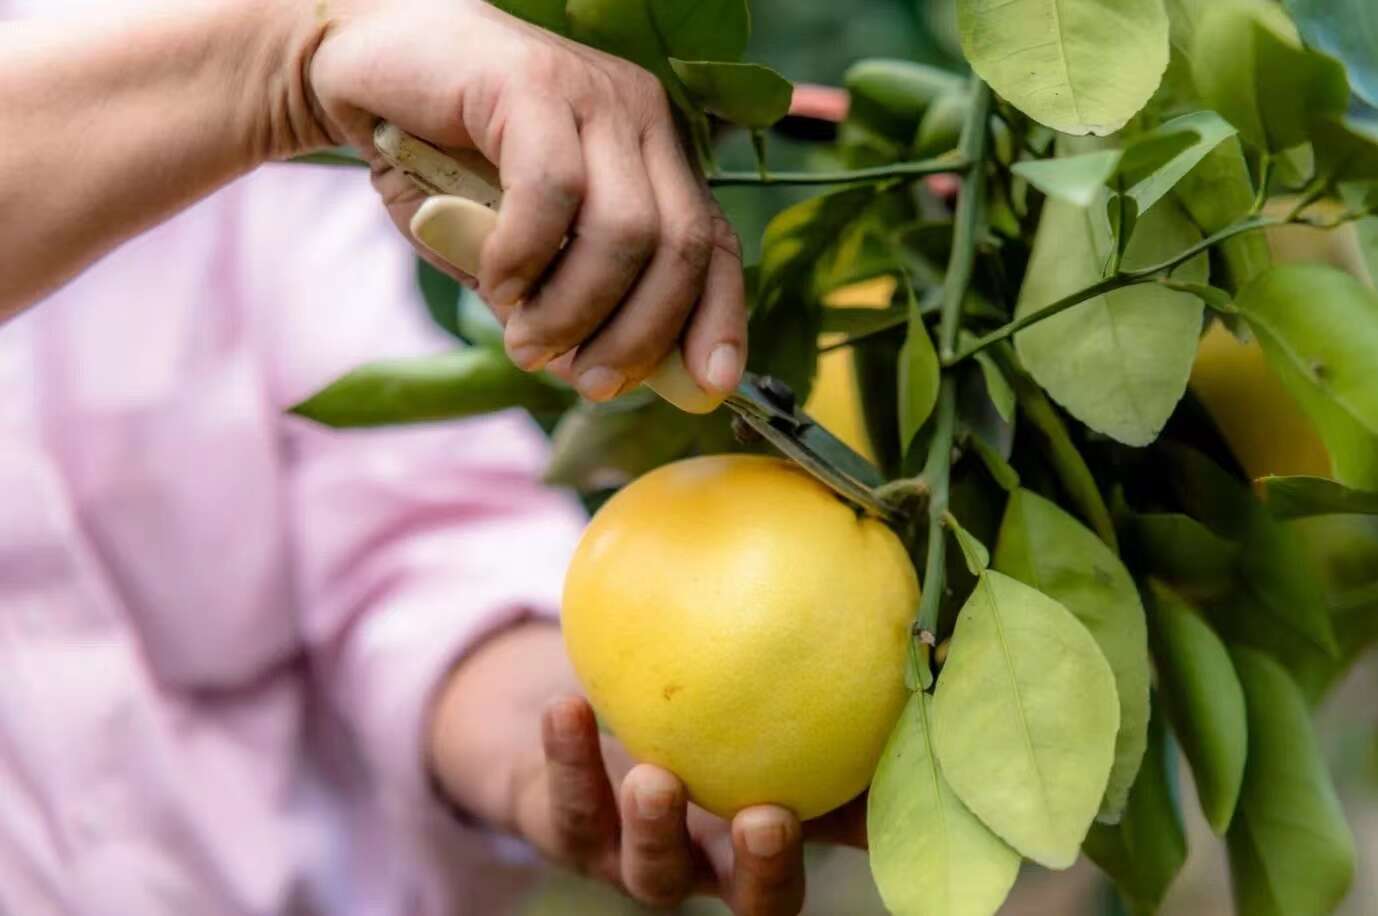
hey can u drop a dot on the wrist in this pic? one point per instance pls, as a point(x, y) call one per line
point(273, 45)
point(483, 737)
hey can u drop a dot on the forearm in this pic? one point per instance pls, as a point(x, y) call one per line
point(485, 734)
point(114, 122)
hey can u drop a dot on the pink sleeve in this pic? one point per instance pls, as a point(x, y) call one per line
point(411, 548)
point(411, 544)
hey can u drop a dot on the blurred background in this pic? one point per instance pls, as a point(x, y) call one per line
point(816, 42)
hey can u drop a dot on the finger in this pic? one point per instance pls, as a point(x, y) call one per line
point(615, 235)
point(582, 808)
point(657, 862)
point(648, 324)
point(543, 175)
point(768, 873)
point(402, 198)
point(715, 340)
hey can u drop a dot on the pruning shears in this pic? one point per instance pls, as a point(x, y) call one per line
point(462, 210)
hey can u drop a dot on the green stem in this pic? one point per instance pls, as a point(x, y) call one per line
point(1070, 468)
point(1117, 281)
point(937, 470)
point(1265, 175)
point(967, 222)
point(1315, 193)
point(917, 169)
point(937, 473)
point(758, 145)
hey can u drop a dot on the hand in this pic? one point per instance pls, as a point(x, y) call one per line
point(648, 840)
point(588, 151)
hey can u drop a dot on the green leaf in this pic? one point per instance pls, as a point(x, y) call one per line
point(1302, 497)
point(441, 293)
point(1118, 362)
point(1347, 29)
point(747, 94)
point(702, 29)
point(1148, 177)
point(930, 856)
point(548, 14)
point(789, 310)
point(1250, 67)
point(1319, 331)
point(1005, 476)
point(1278, 579)
point(918, 375)
point(1025, 718)
point(941, 126)
point(1186, 553)
point(975, 554)
point(1216, 193)
point(601, 446)
point(889, 97)
point(1044, 547)
point(1050, 58)
point(1070, 467)
point(1144, 852)
point(1213, 296)
point(1291, 852)
point(1204, 699)
point(1078, 180)
point(861, 322)
point(1345, 150)
point(476, 323)
point(447, 386)
point(998, 386)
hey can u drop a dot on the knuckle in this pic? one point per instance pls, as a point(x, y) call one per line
point(541, 65)
point(692, 241)
point(577, 823)
point(648, 91)
point(659, 890)
point(633, 233)
point(563, 183)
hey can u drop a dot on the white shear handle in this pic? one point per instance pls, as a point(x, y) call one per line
point(462, 212)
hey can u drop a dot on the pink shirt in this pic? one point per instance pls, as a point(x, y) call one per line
point(220, 627)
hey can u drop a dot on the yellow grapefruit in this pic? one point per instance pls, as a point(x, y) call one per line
point(736, 623)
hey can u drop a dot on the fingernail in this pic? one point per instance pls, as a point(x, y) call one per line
point(509, 292)
point(653, 804)
point(529, 357)
point(765, 840)
point(724, 367)
point(568, 721)
point(600, 383)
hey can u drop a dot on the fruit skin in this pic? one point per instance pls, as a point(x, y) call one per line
point(836, 398)
point(736, 623)
point(1263, 425)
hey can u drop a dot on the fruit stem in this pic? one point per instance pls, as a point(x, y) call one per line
point(937, 473)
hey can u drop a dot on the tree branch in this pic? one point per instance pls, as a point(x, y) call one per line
point(970, 203)
point(1116, 281)
point(918, 169)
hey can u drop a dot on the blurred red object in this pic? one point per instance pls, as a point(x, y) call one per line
point(823, 103)
point(830, 105)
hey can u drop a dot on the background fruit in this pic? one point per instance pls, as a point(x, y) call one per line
point(1265, 428)
point(836, 400)
point(735, 622)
